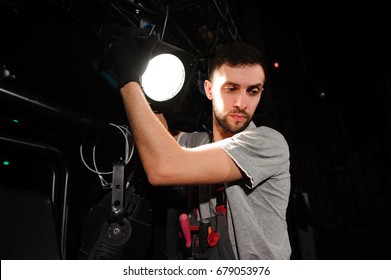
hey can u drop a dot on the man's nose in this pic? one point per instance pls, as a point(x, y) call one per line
point(241, 100)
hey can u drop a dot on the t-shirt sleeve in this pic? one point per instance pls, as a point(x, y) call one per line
point(260, 153)
point(193, 139)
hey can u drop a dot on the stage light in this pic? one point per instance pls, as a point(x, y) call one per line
point(168, 75)
point(164, 77)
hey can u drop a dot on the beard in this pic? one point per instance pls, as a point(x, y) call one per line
point(222, 121)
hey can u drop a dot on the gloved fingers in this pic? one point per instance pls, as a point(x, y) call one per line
point(132, 53)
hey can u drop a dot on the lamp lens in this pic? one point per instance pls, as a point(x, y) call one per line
point(164, 77)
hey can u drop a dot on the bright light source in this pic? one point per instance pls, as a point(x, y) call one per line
point(164, 77)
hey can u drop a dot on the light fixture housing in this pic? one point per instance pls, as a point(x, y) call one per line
point(167, 77)
point(162, 95)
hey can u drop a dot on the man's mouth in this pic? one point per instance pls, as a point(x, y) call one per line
point(238, 117)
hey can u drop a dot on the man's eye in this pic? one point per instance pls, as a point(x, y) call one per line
point(229, 89)
point(254, 91)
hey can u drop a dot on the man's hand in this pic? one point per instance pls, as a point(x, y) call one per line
point(132, 54)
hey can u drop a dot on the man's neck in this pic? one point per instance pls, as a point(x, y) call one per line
point(220, 133)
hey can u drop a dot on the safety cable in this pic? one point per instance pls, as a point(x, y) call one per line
point(128, 155)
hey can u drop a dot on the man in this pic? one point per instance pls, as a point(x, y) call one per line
point(252, 162)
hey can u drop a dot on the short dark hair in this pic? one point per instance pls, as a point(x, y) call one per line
point(235, 54)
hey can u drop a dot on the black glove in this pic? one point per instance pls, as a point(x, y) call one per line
point(131, 55)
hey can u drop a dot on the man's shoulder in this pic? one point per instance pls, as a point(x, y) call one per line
point(259, 135)
point(264, 130)
point(193, 139)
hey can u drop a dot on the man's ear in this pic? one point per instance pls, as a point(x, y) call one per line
point(208, 89)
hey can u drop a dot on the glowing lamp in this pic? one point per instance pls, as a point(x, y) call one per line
point(167, 76)
point(164, 77)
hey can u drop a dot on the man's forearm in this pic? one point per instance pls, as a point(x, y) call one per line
point(162, 119)
point(153, 141)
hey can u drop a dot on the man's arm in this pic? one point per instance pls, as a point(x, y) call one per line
point(162, 119)
point(164, 160)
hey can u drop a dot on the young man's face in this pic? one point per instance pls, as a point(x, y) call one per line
point(235, 93)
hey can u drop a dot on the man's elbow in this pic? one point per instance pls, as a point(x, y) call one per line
point(159, 175)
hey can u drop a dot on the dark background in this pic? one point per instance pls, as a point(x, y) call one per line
point(330, 97)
